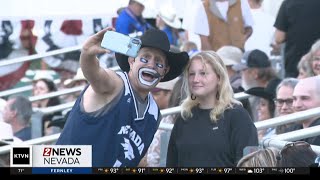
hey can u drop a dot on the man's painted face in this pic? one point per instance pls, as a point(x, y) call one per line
point(151, 66)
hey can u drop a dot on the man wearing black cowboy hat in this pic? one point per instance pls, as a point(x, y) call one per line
point(116, 113)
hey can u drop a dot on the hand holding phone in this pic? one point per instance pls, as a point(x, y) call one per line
point(121, 43)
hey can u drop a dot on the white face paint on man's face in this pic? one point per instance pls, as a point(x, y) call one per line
point(151, 66)
point(152, 76)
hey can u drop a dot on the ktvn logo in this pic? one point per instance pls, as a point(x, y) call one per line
point(21, 156)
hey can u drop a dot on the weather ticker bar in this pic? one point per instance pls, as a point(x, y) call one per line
point(218, 171)
point(163, 171)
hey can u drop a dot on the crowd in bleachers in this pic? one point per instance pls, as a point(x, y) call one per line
point(236, 32)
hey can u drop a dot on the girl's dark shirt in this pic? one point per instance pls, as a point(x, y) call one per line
point(198, 142)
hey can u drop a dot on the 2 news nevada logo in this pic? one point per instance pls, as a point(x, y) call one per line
point(21, 156)
point(62, 156)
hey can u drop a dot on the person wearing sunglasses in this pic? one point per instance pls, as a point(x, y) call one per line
point(296, 154)
point(283, 101)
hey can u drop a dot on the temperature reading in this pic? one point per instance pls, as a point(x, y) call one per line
point(227, 170)
point(258, 170)
point(114, 170)
point(289, 170)
point(199, 170)
point(169, 170)
point(141, 170)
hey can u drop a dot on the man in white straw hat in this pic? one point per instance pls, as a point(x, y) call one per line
point(168, 21)
point(7, 138)
point(6, 135)
point(231, 56)
point(77, 81)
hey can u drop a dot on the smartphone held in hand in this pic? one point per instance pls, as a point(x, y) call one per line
point(121, 43)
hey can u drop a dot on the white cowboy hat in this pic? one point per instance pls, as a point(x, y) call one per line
point(43, 74)
point(6, 135)
point(230, 55)
point(78, 77)
point(142, 2)
point(169, 16)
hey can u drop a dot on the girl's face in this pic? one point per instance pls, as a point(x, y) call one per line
point(316, 63)
point(40, 88)
point(263, 110)
point(203, 81)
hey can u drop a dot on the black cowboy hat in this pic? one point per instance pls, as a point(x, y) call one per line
point(158, 39)
point(269, 92)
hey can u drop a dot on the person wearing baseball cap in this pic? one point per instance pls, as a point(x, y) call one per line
point(256, 69)
point(116, 113)
point(253, 59)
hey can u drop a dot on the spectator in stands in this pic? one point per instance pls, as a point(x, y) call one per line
point(304, 66)
point(315, 57)
point(256, 71)
point(17, 113)
point(266, 107)
point(6, 135)
point(189, 47)
point(77, 81)
point(7, 138)
point(263, 30)
point(213, 128)
point(231, 56)
point(306, 95)
point(222, 22)
point(296, 154)
point(262, 158)
point(43, 84)
point(117, 114)
point(284, 101)
point(296, 26)
point(168, 21)
point(130, 20)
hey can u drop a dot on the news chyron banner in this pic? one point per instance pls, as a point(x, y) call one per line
point(53, 159)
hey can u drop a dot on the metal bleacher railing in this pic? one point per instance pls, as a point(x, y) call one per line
point(276, 141)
